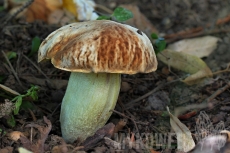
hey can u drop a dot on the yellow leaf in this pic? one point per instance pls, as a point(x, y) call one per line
point(187, 63)
point(70, 6)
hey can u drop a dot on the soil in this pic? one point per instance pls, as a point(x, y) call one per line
point(138, 114)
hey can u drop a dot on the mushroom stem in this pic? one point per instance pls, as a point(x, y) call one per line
point(87, 103)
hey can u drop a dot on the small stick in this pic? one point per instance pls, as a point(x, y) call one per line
point(202, 105)
point(12, 69)
point(33, 116)
point(31, 135)
point(215, 94)
point(48, 79)
point(77, 148)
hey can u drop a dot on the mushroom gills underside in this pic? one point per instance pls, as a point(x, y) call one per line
point(87, 103)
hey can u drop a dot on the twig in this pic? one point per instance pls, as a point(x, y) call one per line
point(199, 31)
point(27, 4)
point(77, 148)
point(12, 69)
point(215, 94)
point(32, 115)
point(48, 79)
point(134, 102)
point(202, 105)
point(196, 34)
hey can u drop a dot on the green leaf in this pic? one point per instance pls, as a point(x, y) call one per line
point(2, 8)
point(154, 36)
point(11, 55)
point(35, 45)
point(159, 45)
point(4, 132)
point(122, 14)
point(103, 17)
point(17, 104)
point(11, 121)
point(32, 92)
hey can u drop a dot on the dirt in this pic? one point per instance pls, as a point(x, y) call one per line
point(141, 115)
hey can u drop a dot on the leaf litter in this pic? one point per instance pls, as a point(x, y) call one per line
point(19, 40)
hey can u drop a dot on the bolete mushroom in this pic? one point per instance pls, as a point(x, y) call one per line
point(96, 53)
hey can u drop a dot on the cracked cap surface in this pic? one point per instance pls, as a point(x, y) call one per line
point(99, 46)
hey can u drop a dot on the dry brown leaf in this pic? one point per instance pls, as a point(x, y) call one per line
point(200, 47)
point(185, 141)
point(38, 10)
point(61, 16)
point(105, 131)
point(193, 65)
point(39, 146)
point(120, 125)
point(139, 20)
point(15, 135)
point(7, 149)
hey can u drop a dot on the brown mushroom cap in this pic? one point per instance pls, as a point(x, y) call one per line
point(99, 46)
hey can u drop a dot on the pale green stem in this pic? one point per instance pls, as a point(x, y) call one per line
point(87, 104)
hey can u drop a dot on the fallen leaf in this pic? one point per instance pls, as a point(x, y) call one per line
point(61, 17)
point(105, 131)
point(120, 125)
point(185, 141)
point(39, 146)
point(139, 20)
point(15, 135)
point(38, 10)
point(200, 47)
point(23, 150)
point(70, 6)
point(7, 149)
point(193, 65)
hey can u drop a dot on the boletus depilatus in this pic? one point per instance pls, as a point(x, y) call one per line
point(96, 53)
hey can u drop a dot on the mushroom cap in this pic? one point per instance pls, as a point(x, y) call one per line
point(99, 46)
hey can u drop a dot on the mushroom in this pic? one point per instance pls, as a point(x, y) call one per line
point(96, 53)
